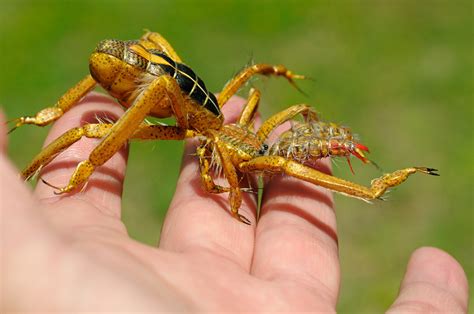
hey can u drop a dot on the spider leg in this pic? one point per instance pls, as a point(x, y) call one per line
point(47, 154)
point(230, 173)
point(66, 102)
point(152, 40)
point(277, 164)
point(204, 168)
point(97, 130)
point(248, 113)
point(160, 90)
point(271, 123)
point(241, 78)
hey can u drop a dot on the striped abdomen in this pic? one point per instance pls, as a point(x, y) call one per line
point(308, 142)
point(157, 63)
point(189, 82)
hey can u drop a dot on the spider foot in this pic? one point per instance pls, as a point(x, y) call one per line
point(16, 123)
point(58, 190)
point(249, 190)
point(242, 218)
point(430, 171)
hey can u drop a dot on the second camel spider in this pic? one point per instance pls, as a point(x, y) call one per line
point(236, 148)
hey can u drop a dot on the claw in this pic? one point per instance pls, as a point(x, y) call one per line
point(291, 77)
point(430, 171)
point(18, 122)
point(290, 80)
point(359, 152)
point(242, 218)
point(58, 191)
point(375, 165)
point(248, 190)
point(11, 130)
point(350, 165)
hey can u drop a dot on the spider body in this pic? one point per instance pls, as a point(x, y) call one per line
point(148, 78)
point(236, 148)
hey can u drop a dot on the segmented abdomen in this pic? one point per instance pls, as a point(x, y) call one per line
point(190, 83)
point(187, 80)
point(309, 141)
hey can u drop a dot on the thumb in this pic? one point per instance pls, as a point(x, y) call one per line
point(3, 133)
point(434, 282)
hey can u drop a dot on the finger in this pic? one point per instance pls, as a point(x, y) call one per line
point(104, 187)
point(198, 221)
point(296, 239)
point(434, 282)
point(14, 193)
point(20, 223)
point(3, 133)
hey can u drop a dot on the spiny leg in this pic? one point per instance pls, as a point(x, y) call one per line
point(241, 78)
point(230, 173)
point(159, 132)
point(250, 108)
point(271, 123)
point(66, 102)
point(156, 41)
point(97, 130)
point(277, 164)
point(47, 154)
point(157, 92)
point(204, 168)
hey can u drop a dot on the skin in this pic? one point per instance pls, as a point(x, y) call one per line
point(72, 252)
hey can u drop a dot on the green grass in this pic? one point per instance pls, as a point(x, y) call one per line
point(399, 73)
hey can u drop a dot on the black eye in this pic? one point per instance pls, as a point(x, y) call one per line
point(263, 149)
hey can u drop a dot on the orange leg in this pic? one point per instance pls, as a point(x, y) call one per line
point(271, 123)
point(224, 155)
point(158, 92)
point(97, 130)
point(68, 138)
point(235, 196)
point(276, 164)
point(204, 169)
point(156, 41)
point(241, 78)
point(66, 102)
point(250, 108)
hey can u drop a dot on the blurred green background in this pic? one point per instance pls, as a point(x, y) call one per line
point(398, 72)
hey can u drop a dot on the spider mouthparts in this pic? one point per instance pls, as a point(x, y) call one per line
point(430, 171)
point(350, 165)
point(359, 152)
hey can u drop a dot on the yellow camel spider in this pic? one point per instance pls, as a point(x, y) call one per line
point(148, 78)
point(236, 148)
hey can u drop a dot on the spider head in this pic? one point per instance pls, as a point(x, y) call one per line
point(344, 148)
point(358, 151)
point(263, 149)
point(347, 148)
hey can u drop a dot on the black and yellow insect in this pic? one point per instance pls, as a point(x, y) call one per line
point(148, 78)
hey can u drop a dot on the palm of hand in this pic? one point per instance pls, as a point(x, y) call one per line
point(73, 252)
point(100, 266)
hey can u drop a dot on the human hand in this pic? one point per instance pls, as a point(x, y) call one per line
point(72, 252)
